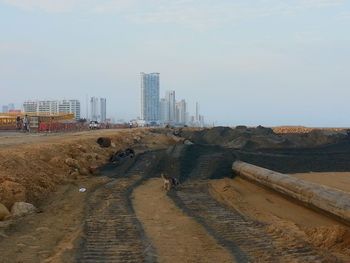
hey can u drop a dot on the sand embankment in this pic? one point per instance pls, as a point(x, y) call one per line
point(31, 166)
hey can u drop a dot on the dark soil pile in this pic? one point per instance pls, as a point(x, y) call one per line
point(260, 137)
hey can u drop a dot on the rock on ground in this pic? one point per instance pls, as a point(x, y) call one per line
point(22, 208)
point(4, 212)
point(104, 142)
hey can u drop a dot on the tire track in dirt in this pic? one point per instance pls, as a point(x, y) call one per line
point(247, 239)
point(112, 231)
point(177, 237)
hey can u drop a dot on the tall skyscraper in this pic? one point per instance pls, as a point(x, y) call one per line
point(98, 109)
point(94, 109)
point(150, 97)
point(181, 110)
point(164, 110)
point(170, 96)
point(103, 109)
point(197, 112)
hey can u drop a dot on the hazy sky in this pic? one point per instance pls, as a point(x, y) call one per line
point(268, 62)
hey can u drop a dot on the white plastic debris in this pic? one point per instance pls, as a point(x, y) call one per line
point(82, 190)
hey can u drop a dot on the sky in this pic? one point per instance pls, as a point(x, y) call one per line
point(249, 62)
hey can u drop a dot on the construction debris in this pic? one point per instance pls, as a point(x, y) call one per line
point(188, 142)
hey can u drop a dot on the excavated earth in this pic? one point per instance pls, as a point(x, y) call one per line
point(126, 216)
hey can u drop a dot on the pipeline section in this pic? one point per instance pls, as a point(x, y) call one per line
point(327, 199)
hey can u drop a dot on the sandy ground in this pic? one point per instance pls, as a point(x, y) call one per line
point(263, 204)
point(36, 165)
point(283, 215)
point(176, 237)
point(339, 180)
point(51, 235)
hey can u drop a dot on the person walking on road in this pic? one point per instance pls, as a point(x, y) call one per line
point(18, 123)
point(26, 124)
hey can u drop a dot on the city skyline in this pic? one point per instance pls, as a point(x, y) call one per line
point(95, 109)
point(164, 110)
point(260, 62)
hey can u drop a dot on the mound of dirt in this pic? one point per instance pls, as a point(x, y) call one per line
point(31, 171)
point(239, 138)
point(11, 192)
point(331, 237)
point(317, 138)
point(261, 137)
point(302, 129)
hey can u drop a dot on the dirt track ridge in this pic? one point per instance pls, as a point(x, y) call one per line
point(112, 231)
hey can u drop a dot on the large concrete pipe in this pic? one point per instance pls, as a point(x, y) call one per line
point(330, 200)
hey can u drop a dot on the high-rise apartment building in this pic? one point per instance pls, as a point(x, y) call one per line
point(170, 97)
point(150, 97)
point(70, 106)
point(181, 111)
point(164, 110)
point(98, 109)
point(94, 109)
point(197, 112)
point(103, 109)
point(8, 108)
point(31, 106)
point(53, 107)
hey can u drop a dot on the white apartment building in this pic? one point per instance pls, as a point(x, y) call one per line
point(70, 106)
point(52, 107)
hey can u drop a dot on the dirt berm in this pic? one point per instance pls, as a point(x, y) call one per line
point(32, 170)
point(260, 137)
